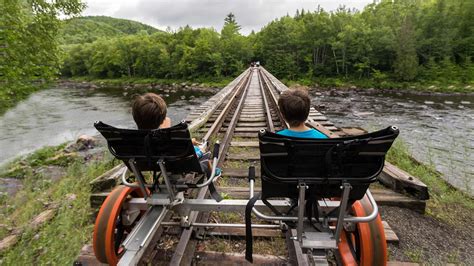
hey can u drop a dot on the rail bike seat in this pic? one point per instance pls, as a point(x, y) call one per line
point(146, 147)
point(322, 164)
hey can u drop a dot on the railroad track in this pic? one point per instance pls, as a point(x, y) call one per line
point(233, 116)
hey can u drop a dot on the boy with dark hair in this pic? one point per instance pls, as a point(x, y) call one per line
point(149, 112)
point(294, 105)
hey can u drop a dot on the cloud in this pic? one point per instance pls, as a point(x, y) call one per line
point(250, 14)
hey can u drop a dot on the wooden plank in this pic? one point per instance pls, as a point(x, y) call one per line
point(248, 129)
point(353, 131)
point(243, 157)
point(246, 135)
point(244, 144)
point(249, 124)
point(213, 258)
point(321, 129)
point(96, 199)
point(240, 232)
point(385, 197)
point(401, 181)
point(108, 179)
point(390, 235)
point(252, 119)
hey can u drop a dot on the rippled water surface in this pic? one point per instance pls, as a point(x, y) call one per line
point(438, 129)
point(53, 116)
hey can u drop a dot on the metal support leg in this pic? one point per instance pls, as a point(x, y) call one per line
point(342, 210)
point(139, 176)
point(167, 180)
point(301, 205)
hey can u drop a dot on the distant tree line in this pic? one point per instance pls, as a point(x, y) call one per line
point(187, 53)
point(403, 40)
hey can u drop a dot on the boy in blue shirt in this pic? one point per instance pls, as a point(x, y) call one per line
point(294, 105)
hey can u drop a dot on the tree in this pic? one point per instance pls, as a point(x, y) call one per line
point(406, 63)
point(29, 45)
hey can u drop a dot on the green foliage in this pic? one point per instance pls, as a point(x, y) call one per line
point(29, 52)
point(392, 44)
point(185, 54)
point(90, 28)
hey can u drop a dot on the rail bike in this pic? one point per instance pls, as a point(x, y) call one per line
point(314, 189)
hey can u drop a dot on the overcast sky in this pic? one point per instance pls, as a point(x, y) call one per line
point(250, 14)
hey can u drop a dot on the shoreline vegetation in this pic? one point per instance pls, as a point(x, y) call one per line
point(322, 83)
point(55, 180)
point(10, 97)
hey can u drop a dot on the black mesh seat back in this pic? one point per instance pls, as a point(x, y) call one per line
point(322, 163)
point(172, 145)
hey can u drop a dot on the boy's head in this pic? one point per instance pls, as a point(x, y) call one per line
point(294, 105)
point(149, 111)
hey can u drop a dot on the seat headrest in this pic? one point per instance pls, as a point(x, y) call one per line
point(146, 147)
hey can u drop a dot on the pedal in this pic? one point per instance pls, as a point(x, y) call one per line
point(319, 240)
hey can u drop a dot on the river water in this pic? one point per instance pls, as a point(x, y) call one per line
point(438, 129)
point(57, 115)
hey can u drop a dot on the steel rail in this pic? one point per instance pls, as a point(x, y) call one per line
point(239, 95)
point(270, 124)
point(221, 118)
point(273, 98)
point(147, 254)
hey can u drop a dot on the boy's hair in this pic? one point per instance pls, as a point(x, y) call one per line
point(148, 111)
point(294, 105)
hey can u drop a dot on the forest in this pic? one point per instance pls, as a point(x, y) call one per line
point(415, 44)
point(391, 41)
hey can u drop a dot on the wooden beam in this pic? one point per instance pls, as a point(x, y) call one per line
point(401, 181)
point(390, 235)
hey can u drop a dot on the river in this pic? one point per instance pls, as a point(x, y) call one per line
point(438, 128)
point(57, 115)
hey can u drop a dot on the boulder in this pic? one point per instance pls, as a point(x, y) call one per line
point(84, 142)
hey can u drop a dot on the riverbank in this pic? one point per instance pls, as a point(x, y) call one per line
point(444, 233)
point(205, 84)
point(11, 95)
point(48, 218)
point(53, 202)
point(422, 87)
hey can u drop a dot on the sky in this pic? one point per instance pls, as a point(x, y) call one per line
point(250, 14)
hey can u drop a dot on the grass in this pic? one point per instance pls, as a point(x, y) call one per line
point(59, 240)
point(446, 202)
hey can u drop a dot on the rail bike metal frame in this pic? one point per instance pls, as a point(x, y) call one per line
point(156, 206)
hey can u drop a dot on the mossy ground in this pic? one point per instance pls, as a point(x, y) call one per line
point(60, 240)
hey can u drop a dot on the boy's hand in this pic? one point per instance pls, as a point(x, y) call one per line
point(195, 142)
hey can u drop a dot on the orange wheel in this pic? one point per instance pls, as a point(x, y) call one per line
point(366, 245)
point(110, 230)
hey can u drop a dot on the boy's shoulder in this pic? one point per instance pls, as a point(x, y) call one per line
point(309, 134)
